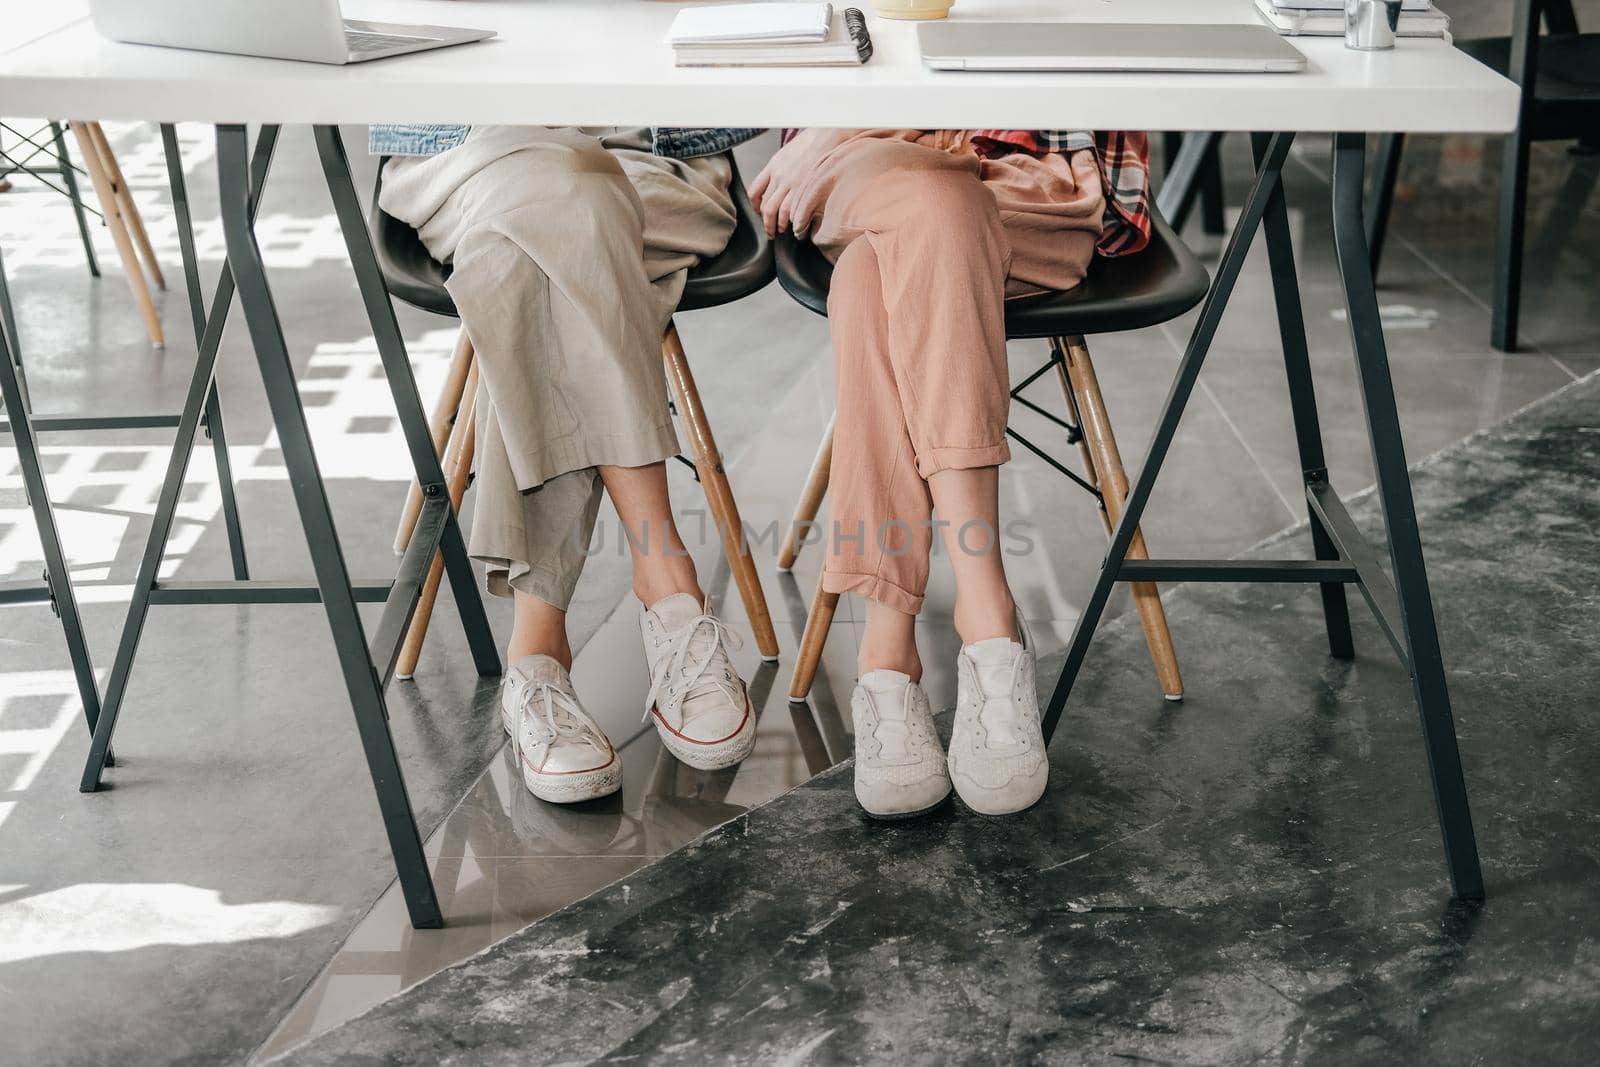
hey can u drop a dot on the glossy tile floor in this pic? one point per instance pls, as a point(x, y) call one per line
point(330, 940)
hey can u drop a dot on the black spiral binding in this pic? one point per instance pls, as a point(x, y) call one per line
point(856, 23)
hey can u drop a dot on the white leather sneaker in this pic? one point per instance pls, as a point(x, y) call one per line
point(900, 769)
point(997, 754)
point(698, 702)
point(564, 755)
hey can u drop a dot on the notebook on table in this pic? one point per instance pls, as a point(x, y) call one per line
point(755, 35)
point(1322, 18)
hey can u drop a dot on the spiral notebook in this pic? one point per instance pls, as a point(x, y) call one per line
point(845, 42)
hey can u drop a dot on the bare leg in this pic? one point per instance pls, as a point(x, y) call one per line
point(537, 627)
point(661, 565)
point(889, 642)
point(968, 502)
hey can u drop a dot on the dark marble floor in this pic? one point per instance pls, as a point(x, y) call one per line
point(1255, 873)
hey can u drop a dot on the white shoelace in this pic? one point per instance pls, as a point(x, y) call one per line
point(675, 678)
point(556, 717)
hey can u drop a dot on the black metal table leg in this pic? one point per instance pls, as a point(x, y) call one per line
point(1400, 517)
point(1211, 192)
point(211, 423)
point(366, 669)
point(12, 338)
point(1402, 607)
point(1303, 401)
point(69, 178)
point(171, 488)
point(1380, 201)
point(327, 558)
point(1211, 309)
point(1180, 188)
point(58, 580)
point(403, 386)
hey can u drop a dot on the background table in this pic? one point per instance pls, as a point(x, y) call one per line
point(597, 62)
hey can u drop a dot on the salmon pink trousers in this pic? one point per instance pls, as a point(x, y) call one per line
point(928, 241)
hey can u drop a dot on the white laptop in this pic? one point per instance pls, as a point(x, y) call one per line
point(1105, 46)
point(311, 30)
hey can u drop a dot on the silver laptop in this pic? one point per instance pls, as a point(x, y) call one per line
point(280, 29)
point(1105, 46)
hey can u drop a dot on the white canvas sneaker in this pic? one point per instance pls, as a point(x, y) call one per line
point(997, 753)
point(564, 755)
point(697, 701)
point(900, 768)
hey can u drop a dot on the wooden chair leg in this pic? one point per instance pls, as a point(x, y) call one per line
point(818, 622)
point(458, 470)
point(719, 495)
point(445, 411)
point(1082, 390)
point(130, 209)
point(110, 206)
point(810, 500)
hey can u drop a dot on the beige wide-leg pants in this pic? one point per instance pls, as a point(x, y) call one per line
point(569, 249)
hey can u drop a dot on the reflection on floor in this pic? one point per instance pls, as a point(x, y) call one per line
point(237, 866)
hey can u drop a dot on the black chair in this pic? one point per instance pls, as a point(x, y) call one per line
point(1126, 293)
point(1559, 73)
point(744, 267)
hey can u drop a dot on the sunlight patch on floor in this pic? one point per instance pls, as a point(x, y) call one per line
point(113, 917)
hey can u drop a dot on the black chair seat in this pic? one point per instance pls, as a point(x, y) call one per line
point(1125, 293)
point(1569, 63)
point(744, 266)
point(1567, 91)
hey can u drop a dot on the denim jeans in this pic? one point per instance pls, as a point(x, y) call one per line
point(679, 142)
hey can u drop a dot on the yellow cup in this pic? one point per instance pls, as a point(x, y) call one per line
point(912, 9)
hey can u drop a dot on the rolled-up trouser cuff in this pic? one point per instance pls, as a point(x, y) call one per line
point(873, 587)
point(934, 460)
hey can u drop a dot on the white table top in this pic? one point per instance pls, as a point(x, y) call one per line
point(25, 22)
point(596, 62)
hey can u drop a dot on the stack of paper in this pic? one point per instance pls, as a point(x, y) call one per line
point(1325, 18)
point(769, 35)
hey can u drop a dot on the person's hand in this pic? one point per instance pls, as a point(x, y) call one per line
point(776, 191)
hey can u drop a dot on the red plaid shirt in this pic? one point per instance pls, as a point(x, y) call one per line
point(1124, 160)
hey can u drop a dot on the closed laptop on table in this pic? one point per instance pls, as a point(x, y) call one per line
point(1105, 46)
point(312, 30)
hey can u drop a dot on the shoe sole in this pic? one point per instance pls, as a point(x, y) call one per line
point(715, 755)
point(566, 788)
point(573, 788)
point(897, 816)
point(997, 813)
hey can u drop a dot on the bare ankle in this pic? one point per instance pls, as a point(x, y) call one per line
point(657, 579)
point(889, 642)
point(538, 629)
point(869, 660)
point(556, 647)
point(994, 617)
